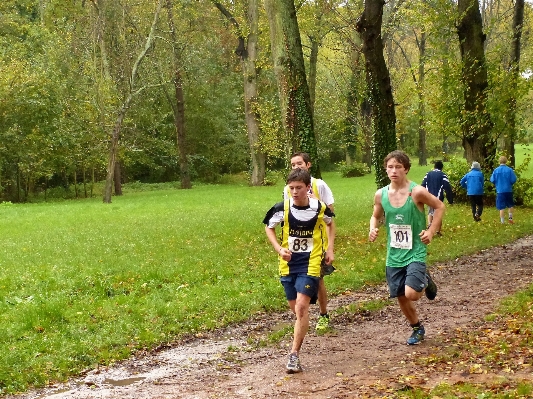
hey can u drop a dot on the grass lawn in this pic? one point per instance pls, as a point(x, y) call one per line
point(86, 283)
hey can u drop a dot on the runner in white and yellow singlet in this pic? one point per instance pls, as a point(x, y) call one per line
point(308, 236)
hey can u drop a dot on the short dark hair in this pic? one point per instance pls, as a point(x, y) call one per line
point(305, 156)
point(400, 156)
point(439, 165)
point(299, 175)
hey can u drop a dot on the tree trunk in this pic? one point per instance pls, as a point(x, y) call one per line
point(478, 142)
point(313, 60)
point(117, 178)
point(422, 148)
point(84, 181)
point(113, 151)
point(509, 134)
point(354, 131)
point(251, 112)
point(352, 112)
point(75, 184)
point(379, 86)
point(289, 67)
point(178, 107)
point(247, 50)
point(366, 115)
point(115, 135)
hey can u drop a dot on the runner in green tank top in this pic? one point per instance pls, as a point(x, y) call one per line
point(400, 206)
point(405, 223)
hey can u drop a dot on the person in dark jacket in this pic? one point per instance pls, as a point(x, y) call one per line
point(503, 178)
point(438, 184)
point(474, 182)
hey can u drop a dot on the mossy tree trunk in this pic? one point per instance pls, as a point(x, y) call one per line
point(478, 141)
point(289, 67)
point(247, 51)
point(251, 109)
point(178, 103)
point(509, 135)
point(379, 87)
point(422, 145)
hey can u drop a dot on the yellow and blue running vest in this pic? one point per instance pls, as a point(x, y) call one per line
point(306, 239)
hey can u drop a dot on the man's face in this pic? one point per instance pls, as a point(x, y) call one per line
point(395, 170)
point(298, 162)
point(298, 190)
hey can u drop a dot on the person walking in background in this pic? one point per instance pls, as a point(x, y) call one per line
point(474, 182)
point(438, 184)
point(320, 191)
point(307, 224)
point(400, 206)
point(503, 179)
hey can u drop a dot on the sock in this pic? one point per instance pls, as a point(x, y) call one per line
point(325, 314)
point(502, 220)
point(510, 216)
point(417, 325)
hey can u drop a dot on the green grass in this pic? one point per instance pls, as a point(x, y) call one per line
point(86, 283)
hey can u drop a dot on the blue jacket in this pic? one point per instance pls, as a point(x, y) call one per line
point(503, 178)
point(473, 182)
point(437, 183)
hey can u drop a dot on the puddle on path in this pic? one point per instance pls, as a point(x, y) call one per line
point(124, 382)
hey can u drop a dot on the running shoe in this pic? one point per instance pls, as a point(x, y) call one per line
point(322, 324)
point(417, 336)
point(293, 365)
point(431, 289)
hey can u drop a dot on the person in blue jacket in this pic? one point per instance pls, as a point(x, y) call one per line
point(473, 181)
point(437, 183)
point(503, 178)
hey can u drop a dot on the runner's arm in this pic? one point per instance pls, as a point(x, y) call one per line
point(377, 217)
point(330, 230)
point(271, 235)
point(422, 197)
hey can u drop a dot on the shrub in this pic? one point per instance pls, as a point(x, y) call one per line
point(354, 169)
point(273, 176)
point(523, 188)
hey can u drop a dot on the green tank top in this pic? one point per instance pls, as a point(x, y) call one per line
point(404, 225)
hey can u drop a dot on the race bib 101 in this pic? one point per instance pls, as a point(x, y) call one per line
point(401, 236)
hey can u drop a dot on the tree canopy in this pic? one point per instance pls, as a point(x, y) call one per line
point(67, 69)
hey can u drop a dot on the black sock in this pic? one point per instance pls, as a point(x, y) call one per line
point(325, 314)
point(417, 325)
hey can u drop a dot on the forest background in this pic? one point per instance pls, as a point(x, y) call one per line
point(164, 82)
point(157, 92)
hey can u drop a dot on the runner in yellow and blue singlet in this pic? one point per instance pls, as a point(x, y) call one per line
point(308, 236)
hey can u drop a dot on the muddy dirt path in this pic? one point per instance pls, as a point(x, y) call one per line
point(364, 356)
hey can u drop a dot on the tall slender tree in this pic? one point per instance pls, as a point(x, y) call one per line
point(379, 86)
point(133, 91)
point(478, 140)
point(289, 67)
point(513, 71)
point(247, 51)
point(178, 103)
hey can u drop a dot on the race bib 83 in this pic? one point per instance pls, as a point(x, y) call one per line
point(300, 244)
